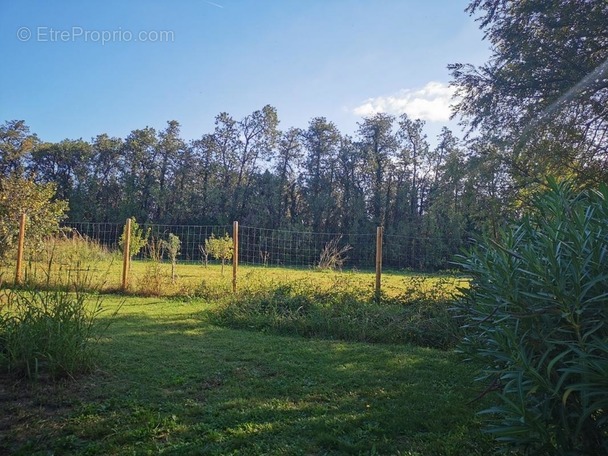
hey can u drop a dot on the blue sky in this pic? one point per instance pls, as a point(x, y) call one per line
point(76, 69)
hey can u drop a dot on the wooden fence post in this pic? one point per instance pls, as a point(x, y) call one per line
point(20, 244)
point(126, 257)
point(235, 253)
point(379, 232)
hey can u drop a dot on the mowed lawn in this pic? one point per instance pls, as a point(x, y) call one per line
point(169, 382)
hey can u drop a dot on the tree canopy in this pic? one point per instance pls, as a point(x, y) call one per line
point(312, 179)
point(542, 96)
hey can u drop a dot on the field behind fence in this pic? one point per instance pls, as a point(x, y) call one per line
point(286, 248)
point(91, 252)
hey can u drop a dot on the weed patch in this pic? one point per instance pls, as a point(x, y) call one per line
point(343, 311)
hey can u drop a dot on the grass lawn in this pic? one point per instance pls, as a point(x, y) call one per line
point(169, 382)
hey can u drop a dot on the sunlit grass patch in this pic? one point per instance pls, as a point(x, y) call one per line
point(103, 272)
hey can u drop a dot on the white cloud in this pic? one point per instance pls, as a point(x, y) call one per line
point(431, 102)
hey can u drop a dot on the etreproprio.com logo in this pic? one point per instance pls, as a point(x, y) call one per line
point(75, 34)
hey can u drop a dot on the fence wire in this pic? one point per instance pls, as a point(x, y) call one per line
point(267, 247)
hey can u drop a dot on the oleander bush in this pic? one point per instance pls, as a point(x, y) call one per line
point(536, 314)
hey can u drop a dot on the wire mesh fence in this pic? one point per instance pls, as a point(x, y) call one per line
point(286, 248)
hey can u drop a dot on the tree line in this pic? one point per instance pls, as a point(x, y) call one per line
point(316, 179)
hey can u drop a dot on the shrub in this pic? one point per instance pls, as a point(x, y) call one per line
point(333, 256)
point(18, 195)
point(537, 314)
point(69, 261)
point(155, 281)
point(220, 248)
point(172, 246)
point(70, 247)
point(47, 333)
point(138, 240)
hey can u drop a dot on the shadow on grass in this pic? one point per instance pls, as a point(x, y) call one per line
point(175, 384)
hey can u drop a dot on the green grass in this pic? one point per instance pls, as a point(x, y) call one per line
point(419, 316)
point(68, 262)
point(201, 370)
point(170, 382)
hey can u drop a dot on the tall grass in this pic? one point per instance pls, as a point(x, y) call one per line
point(47, 333)
point(48, 325)
point(310, 303)
point(69, 261)
point(69, 258)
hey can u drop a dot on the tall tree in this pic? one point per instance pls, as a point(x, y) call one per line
point(288, 156)
point(258, 134)
point(542, 95)
point(321, 143)
point(104, 187)
point(413, 161)
point(190, 184)
point(350, 189)
point(224, 143)
point(379, 145)
point(205, 194)
point(170, 148)
point(65, 164)
point(489, 190)
point(448, 208)
point(16, 144)
point(140, 175)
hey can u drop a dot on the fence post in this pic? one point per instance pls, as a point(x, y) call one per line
point(379, 232)
point(20, 245)
point(126, 257)
point(235, 253)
